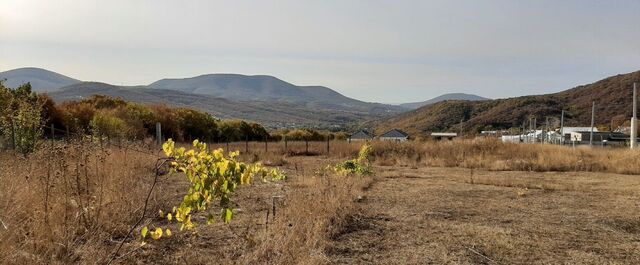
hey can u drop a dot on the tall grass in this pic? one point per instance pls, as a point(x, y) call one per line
point(492, 154)
point(71, 203)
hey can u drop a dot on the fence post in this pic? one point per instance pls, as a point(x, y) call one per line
point(286, 149)
point(53, 132)
point(266, 147)
point(306, 141)
point(246, 144)
point(158, 134)
point(327, 145)
point(227, 143)
point(13, 135)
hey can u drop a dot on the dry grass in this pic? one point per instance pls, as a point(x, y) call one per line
point(459, 202)
point(494, 155)
point(437, 216)
point(76, 203)
point(70, 204)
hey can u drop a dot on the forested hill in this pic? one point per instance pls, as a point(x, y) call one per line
point(612, 96)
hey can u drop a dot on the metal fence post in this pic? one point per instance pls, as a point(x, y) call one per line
point(158, 133)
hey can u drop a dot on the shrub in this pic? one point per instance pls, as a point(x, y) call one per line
point(360, 166)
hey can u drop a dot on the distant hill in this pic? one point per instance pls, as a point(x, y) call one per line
point(282, 115)
point(449, 96)
point(260, 98)
point(40, 79)
point(270, 89)
point(612, 96)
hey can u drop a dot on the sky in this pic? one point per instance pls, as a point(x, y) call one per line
point(380, 51)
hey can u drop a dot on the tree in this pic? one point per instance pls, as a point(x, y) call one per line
point(21, 117)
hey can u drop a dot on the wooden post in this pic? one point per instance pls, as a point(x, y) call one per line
point(266, 147)
point(158, 134)
point(53, 132)
point(286, 149)
point(246, 144)
point(227, 143)
point(13, 135)
point(306, 141)
point(327, 145)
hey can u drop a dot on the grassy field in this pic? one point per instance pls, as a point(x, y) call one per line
point(463, 202)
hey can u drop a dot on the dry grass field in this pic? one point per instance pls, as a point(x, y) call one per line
point(463, 202)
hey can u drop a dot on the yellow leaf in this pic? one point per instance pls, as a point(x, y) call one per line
point(157, 234)
point(144, 232)
point(169, 216)
point(168, 232)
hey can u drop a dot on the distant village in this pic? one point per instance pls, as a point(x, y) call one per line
point(562, 136)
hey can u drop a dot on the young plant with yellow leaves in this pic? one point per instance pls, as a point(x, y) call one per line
point(360, 166)
point(213, 177)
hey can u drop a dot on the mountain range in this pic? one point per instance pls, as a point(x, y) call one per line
point(612, 97)
point(260, 98)
point(279, 104)
point(448, 96)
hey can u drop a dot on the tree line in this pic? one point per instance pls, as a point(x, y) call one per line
point(23, 113)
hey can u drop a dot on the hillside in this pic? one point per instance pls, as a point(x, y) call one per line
point(270, 89)
point(612, 96)
point(40, 79)
point(282, 115)
point(448, 96)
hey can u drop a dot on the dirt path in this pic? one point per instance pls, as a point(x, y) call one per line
point(454, 216)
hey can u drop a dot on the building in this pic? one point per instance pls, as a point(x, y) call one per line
point(394, 135)
point(361, 135)
point(599, 138)
point(566, 132)
point(444, 135)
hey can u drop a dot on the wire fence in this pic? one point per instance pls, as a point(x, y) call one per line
point(152, 146)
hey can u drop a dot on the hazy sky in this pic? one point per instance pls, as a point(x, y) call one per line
point(385, 51)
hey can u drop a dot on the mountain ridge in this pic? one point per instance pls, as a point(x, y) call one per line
point(41, 79)
point(282, 115)
point(613, 108)
point(267, 88)
point(443, 97)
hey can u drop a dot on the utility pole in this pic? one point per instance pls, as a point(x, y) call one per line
point(593, 116)
point(546, 133)
point(530, 129)
point(562, 127)
point(634, 121)
point(535, 129)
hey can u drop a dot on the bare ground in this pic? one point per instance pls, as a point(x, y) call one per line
point(456, 216)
